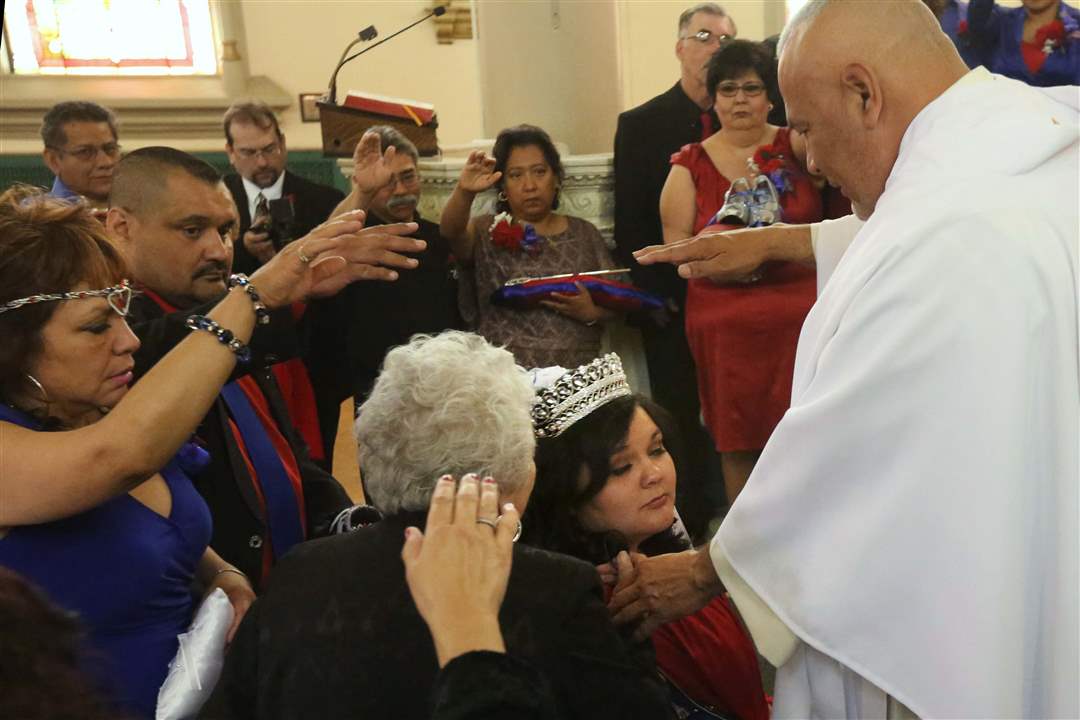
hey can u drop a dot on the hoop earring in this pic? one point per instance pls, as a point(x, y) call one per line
point(39, 386)
point(501, 197)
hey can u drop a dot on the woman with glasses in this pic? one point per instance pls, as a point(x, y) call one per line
point(96, 503)
point(742, 336)
point(528, 238)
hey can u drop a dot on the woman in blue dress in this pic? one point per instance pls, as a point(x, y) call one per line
point(1038, 43)
point(97, 506)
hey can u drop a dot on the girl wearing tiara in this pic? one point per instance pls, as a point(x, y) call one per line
point(605, 492)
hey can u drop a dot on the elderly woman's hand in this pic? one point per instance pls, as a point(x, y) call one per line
point(479, 173)
point(458, 569)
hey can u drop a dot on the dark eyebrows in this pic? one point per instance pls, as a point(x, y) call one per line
point(194, 219)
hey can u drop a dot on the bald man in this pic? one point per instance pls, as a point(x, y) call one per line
point(908, 542)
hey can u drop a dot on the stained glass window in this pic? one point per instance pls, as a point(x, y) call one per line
point(110, 37)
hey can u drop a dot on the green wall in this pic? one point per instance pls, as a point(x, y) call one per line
point(310, 164)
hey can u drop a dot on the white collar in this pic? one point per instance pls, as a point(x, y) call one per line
point(270, 193)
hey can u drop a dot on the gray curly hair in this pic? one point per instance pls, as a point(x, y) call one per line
point(448, 403)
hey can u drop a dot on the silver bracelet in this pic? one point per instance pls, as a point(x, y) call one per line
point(229, 569)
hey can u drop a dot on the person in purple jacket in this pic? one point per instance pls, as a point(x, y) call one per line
point(1038, 43)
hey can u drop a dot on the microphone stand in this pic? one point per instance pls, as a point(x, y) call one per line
point(436, 12)
point(368, 33)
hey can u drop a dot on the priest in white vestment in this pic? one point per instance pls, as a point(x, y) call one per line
point(908, 542)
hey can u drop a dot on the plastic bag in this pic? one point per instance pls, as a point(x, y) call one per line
point(194, 671)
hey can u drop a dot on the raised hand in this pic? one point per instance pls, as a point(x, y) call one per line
point(371, 168)
point(479, 173)
point(334, 254)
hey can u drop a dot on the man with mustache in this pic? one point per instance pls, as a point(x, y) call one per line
point(386, 183)
point(81, 149)
point(174, 219)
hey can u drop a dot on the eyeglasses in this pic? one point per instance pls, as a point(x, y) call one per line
point(405, 177)
point(731, 89)
point(88, 153)
point(251, 153)
point(118, 297)
point(706, 37)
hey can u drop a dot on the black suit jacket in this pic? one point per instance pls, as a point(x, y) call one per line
point(337, 636)
point(378, 316)
point(645, 138)
point(240, 529)
point(312, 205)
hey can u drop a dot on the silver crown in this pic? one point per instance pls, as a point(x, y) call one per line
point(576, 394)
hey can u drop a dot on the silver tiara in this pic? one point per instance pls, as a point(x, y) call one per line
point(576, 394)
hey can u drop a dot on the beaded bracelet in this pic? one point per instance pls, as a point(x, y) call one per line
point(262, 315)
point(225, 337)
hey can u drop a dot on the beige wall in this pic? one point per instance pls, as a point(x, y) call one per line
point(552, 64)
point(411, 65)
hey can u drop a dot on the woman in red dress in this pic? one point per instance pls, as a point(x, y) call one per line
point(742, 336)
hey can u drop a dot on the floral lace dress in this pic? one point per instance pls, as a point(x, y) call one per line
point(537, 337)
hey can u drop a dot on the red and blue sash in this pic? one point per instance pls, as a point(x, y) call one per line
point(271, 463)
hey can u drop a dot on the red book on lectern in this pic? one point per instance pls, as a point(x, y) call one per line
point(418, 112)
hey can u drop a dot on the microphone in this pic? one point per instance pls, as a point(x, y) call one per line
point(368, 33)
point(437, 11)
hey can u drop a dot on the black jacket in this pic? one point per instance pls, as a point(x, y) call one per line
point(381, 315)
point(240, 529)
point(337, 636)
point(645, 139)
point(312, 205)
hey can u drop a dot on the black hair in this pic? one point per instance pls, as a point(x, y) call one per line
point(583, 453)
point(525, 136)
point(141, 175)
point(735, 57)
point(60, 114)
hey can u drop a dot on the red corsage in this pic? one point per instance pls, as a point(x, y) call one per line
point(768, 160)
point(1050, 36)
point(513, 236)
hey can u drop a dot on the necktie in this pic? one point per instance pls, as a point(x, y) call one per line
point(262, 207)
point(706, 124)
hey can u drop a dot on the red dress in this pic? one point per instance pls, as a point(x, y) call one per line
point(743, 337)
point(711, 659)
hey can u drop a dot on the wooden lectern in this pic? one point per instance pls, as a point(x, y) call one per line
point(343, 126)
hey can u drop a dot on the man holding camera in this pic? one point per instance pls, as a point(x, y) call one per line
point(275, 205)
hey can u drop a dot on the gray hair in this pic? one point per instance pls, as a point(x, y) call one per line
point(448, 403)
point(60, 114)
point(390, 137)
point(803, 19)
point(709, 8)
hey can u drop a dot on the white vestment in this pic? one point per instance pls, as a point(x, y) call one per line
point(910, 530)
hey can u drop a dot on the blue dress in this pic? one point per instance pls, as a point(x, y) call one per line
point(127, 572)
point(1000, 31)
point(954, 14)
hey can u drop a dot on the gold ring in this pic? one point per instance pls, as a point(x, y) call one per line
point(300, 254)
